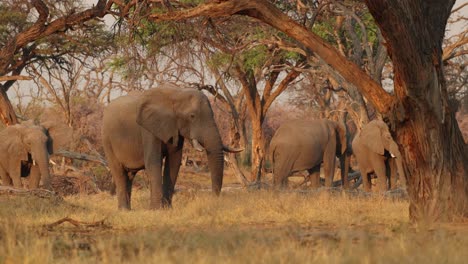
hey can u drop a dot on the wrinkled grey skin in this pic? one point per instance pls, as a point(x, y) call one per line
point(140, 130)
point(304, 145)
point(373, 147)
point(24, 151)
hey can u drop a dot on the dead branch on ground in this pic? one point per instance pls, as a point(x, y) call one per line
point(76, 223)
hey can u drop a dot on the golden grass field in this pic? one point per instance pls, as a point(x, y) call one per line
point(240, 226)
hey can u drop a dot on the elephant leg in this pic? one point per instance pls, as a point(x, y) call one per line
point(123, 186)
point(366, 180)
point(6, 180)
point(280, 176)
point(15, 174)
point(122, 183)
point(282, 168)
point(391, 173)
point(171, 171)
point(34, 177)
point(344, 164)
point(329, 163)
point(314, 176)
point(153, 168)
point(380, 172)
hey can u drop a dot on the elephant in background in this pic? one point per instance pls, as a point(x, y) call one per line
point(140, 130)
point(25, 150)
point(376, 152)
point(304, 145)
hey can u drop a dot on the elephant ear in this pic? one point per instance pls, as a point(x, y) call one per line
point(59, 135)
point(341, 131)
point(15, 145)
point(372, 138)
point(158, 117)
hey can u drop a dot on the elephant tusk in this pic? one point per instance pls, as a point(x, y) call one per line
point(232, 150)
point(393, 156)
point(196, 145)
point(34, 162)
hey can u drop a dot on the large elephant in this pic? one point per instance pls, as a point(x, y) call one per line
point(304, 145)
point(25, 150)
point(376, 152)
point(140, 130)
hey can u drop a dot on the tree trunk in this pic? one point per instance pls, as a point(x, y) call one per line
point(426, 129)
point(7, 113)
point(235, 135)
point(258, 149)
point(436, 165)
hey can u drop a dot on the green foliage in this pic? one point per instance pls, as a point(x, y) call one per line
point(117, 63)
point(220, 59)
point(254, 58)
point(12, 20)
point(324, 29)
point(292, 56)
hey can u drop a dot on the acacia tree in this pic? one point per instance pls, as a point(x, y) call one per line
point(418, 113)
point(248, 56)
point(34, 29)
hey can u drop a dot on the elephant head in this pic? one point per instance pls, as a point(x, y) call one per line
point(36, 144)
point(378, 138)
point(168, 114)
point(32, 144)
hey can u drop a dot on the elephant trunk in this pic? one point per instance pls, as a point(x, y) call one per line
point(344, 165)
point(394, 151)
point(214, 151)
point(401, 173)
point(40, 157)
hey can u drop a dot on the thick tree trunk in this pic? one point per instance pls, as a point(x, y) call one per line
point(436, 165)
point(7, 113)
point(426, 129)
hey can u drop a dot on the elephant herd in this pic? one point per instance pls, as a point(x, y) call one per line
point(306, 145)
point(147, 131)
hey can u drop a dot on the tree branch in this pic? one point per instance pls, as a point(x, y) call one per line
point(268, 13)
point(14, 78)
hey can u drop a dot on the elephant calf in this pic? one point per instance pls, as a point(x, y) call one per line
point(305, 145)
point(376, 152)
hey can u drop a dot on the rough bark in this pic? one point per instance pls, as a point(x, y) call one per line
point(429, 136)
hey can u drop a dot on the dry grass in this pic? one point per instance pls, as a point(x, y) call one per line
point(238, 227)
